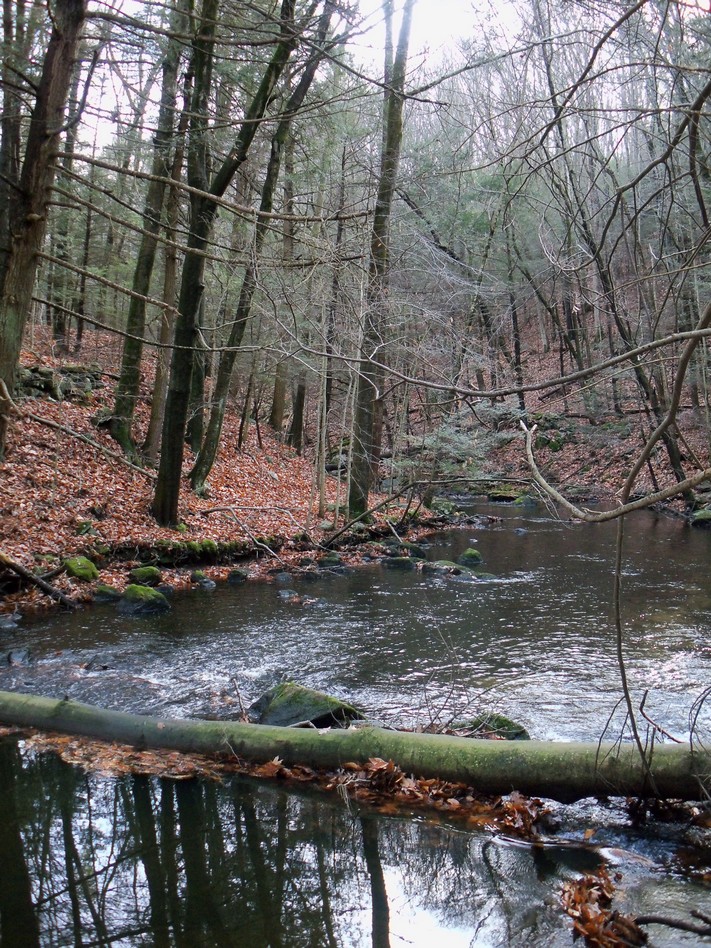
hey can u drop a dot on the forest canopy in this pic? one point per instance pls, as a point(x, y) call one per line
point(383, 262)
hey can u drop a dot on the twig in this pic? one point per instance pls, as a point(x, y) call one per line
point(679, 923)
point(657, 727)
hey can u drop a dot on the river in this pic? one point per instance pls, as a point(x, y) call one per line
point(203, 864)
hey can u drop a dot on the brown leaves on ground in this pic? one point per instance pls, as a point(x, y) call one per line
point(378, 784)
point(60, 496)
point(588, 901)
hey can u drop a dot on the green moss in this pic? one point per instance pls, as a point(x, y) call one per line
point(103, 593)
point(143, 599)
point(495, 725)
point(469, 558)
point(146, 575)
point(330, 560)
point(289, 703)
point(82, 568)
point(441, 567)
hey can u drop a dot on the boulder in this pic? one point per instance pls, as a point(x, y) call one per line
point(399, 562)
point(142, 600)
point(82, 568)
point(289, 704)
point(701, 518)
point(441, 568)
point(103, 593)
point(469, 558)
point(146, 576)
point(236, 577)
point(199, 578)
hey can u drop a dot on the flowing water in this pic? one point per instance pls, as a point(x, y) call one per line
point(138, 862)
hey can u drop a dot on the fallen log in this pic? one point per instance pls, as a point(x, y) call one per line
point(42, 584)
point(561, 771)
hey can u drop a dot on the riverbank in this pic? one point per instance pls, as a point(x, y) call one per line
point(65, 489)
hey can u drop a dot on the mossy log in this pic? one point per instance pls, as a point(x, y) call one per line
point(562, 771)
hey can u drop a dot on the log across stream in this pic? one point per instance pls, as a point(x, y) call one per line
point(562, 771)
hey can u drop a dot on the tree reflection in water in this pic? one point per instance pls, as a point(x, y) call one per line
point(86, 860)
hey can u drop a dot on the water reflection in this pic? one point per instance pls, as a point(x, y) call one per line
point(86, 860)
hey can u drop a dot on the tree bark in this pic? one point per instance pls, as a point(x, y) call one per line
point(364, 448)
point(27, 213)
point(165, 501)
point(128, 389)
point(208, 452)
point(565, 771)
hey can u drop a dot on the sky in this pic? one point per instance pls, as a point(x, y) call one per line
point(437, 26)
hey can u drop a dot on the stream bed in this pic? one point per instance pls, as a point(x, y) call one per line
point(148, 862)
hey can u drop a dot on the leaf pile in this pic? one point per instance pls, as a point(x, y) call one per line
point(588, 901)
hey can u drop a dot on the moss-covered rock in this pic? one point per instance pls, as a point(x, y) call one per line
point(702, 517)
point(526, 501)
point(142, 600)
point(146, 576)
point(200, 579)
point(399, 562)
point(82, 568)
point(330, 561)
point(103, 593)
point(494, 725)
point(470, 558)
point(236, 577)
point(441, 568)
point(288, 703)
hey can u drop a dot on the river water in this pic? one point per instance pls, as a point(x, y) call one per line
point(140, 862)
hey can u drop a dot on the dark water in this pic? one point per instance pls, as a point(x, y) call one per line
point(89, 860)
point(92, 861)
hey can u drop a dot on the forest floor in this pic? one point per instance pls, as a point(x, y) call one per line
point(59, 494)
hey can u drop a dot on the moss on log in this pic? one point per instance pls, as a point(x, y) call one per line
point(562, 771)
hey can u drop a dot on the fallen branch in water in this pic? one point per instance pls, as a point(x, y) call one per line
point(562, 771)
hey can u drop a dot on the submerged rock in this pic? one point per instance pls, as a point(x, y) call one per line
point(441, 568)
point(9, 621)
point(199, 578)
point(104, 593)
point(399, 562)
point(288, 704)
point(142, 600)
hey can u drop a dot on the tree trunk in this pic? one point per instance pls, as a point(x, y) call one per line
point(165, 501)
point(363, 446)
point(295, 438)
point(208, 451)
point(564, 771)
point(27, 214)
point(128, 389)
